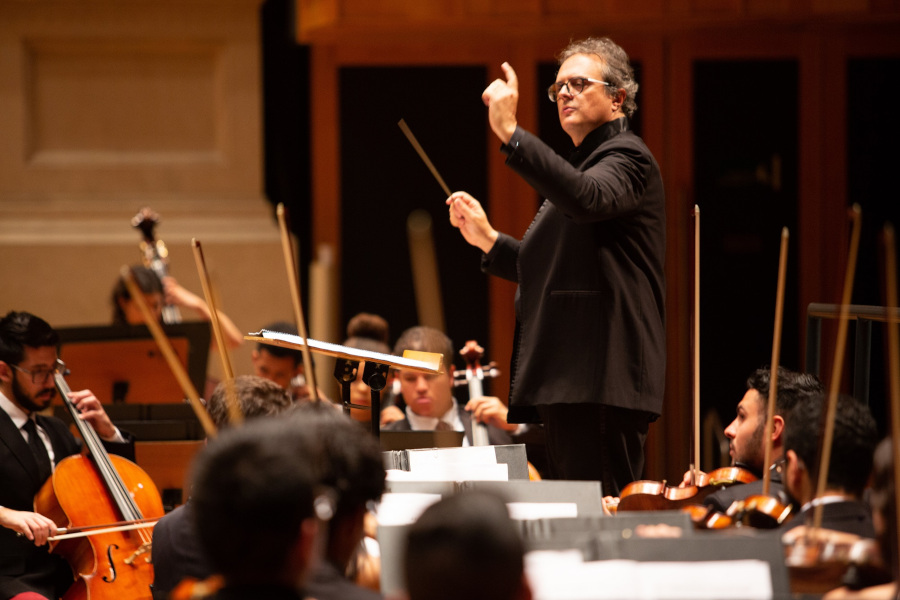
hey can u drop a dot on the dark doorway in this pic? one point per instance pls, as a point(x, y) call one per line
point(745, 161)
point(383, 180)
point(873, 131)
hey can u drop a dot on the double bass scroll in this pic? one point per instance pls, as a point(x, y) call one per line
point(155, 255)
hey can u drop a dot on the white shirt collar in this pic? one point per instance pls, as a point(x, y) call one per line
point(420, 423)
point(826, 499)
point(15, 413)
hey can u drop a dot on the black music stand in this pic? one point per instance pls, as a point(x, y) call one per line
point(375, 376)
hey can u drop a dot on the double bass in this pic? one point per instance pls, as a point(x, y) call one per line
point(98, 493)
point(155, 256)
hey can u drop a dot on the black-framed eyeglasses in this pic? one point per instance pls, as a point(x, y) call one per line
point(575, 85)
point(41, 376)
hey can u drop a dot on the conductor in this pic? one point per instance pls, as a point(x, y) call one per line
point(589, 351)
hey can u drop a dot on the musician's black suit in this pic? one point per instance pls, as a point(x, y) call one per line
point(23, 566)
point(590, 306)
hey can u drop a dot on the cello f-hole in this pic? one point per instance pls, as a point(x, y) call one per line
point(112, 565)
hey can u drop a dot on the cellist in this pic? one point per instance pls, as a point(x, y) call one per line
point(30, 446)
point(746, 432)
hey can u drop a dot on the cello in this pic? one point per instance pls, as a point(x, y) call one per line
point(472, 352)
point(86, 492)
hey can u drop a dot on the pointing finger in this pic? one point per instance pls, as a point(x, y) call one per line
point(511, 79)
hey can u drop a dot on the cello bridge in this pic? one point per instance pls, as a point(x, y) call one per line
point(143, 549)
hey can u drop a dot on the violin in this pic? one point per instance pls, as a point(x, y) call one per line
point(657, 495)
point(727, 476)
point(472, 352)
point(706, 517)
point(820, 562)
point(155, 256)
point(86, 492)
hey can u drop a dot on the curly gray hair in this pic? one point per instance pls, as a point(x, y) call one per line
point(617, 69)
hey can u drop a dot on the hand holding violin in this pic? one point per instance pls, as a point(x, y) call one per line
point(694, 477)
point(34, 526)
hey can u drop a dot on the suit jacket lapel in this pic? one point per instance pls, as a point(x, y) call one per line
point(466, 419)
point(12, 438)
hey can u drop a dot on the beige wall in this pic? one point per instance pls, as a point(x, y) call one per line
point(106, 107)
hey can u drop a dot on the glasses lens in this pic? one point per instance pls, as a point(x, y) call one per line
point(553, 92)
point(576, 85)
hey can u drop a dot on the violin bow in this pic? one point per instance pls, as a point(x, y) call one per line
point(169, 353)
point(695, 462)
point(890, 265)
point(235, 416)
point(776, 357)
point(836, 367)
point(294, 283)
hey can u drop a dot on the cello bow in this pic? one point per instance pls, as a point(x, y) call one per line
point(294, 284)
point(836, 367)
point(235, 416)
point(776, 358)
point(169, 354)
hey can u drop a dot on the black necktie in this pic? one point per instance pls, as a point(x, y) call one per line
point(38, 449)
point(443, 426)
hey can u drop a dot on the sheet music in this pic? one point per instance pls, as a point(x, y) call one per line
point(526, 511)
point(563, 576)
point(342, 351)
point(470, 455)
point(403, 509)
point(452, 472)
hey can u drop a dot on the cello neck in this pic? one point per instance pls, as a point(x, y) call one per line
point(472, 352)
point(114, 484)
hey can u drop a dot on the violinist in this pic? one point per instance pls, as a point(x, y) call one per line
point(166, 292)
point(283, 366)
point(430, 404)
point(255, 497)
point(746, 433)
point(466, 546)
point(31, 444)
point(349, 466)
point(855, 436)
point(366, 331)
point(176, 549)
point(884, 517)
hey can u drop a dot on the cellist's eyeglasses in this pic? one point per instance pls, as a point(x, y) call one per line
point(575, 85)
point(42, 376)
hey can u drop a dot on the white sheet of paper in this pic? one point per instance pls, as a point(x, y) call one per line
point(524, 511)
point(562, 576)
point(452, 472)
point(403, 509)
point(471, 455)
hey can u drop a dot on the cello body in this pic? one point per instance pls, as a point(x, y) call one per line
point(112, 565)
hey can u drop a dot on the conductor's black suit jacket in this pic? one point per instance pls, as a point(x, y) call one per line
point(19, 482)
point(590, 306)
